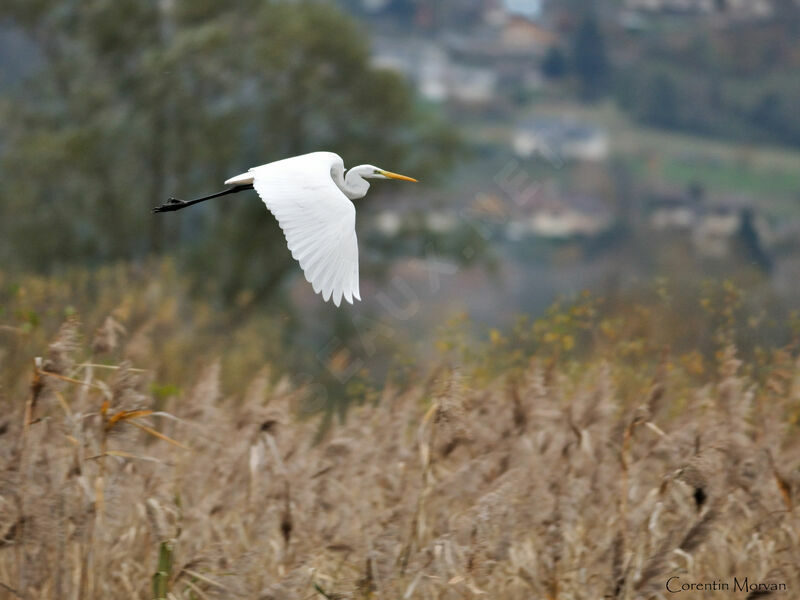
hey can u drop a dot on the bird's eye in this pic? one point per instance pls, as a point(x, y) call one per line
point(377, 172)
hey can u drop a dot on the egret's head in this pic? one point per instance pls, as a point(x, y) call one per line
point(356, 182)
point(373, 172)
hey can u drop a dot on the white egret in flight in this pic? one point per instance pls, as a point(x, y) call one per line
point(310, 196)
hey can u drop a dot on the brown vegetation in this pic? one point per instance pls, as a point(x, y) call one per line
point(563, 478)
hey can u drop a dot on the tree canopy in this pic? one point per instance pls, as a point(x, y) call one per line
point(126, 102)
point(589, 59)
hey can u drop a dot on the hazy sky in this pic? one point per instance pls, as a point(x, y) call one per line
point(529, 8)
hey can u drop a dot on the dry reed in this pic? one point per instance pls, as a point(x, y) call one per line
point(544, 483)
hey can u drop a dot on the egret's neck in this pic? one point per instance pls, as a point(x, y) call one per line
point(352, 184)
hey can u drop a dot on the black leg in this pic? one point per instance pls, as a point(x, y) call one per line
point(175, 204)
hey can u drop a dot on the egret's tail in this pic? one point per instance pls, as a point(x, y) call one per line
point(243, 179)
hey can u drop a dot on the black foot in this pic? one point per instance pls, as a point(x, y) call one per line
point(170, 205)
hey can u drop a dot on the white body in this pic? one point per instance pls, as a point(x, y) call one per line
point(309, 197)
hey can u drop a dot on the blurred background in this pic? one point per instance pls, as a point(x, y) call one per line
point(631, 148)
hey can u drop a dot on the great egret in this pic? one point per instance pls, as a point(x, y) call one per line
point(310, 196)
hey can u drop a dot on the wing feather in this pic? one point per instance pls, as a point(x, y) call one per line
point(317, 219)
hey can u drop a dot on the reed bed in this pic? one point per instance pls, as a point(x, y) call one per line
point(546, 481)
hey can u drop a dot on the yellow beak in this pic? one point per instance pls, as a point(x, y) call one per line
point(391, 175)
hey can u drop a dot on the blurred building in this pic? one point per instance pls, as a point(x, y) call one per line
point(474, 53)
point(675, 211)
point(717, 229)
point(560, 139)
point(434, 73)
point(733, 8)
point(562, 216)
point(520, 34)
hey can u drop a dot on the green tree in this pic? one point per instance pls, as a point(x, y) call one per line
point(661, 105)
point(139, 99)
point(589, 59)
point(554, 63)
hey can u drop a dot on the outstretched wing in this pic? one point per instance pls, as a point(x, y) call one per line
point(318, 220)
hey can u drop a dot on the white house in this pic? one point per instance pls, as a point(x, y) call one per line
point(742, 9)
point(560, 139)
point(563, 217)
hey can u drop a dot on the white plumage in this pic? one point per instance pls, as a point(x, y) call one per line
point(310, 196)
point(316, 217)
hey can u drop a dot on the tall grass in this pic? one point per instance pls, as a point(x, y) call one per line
point(542, 473)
